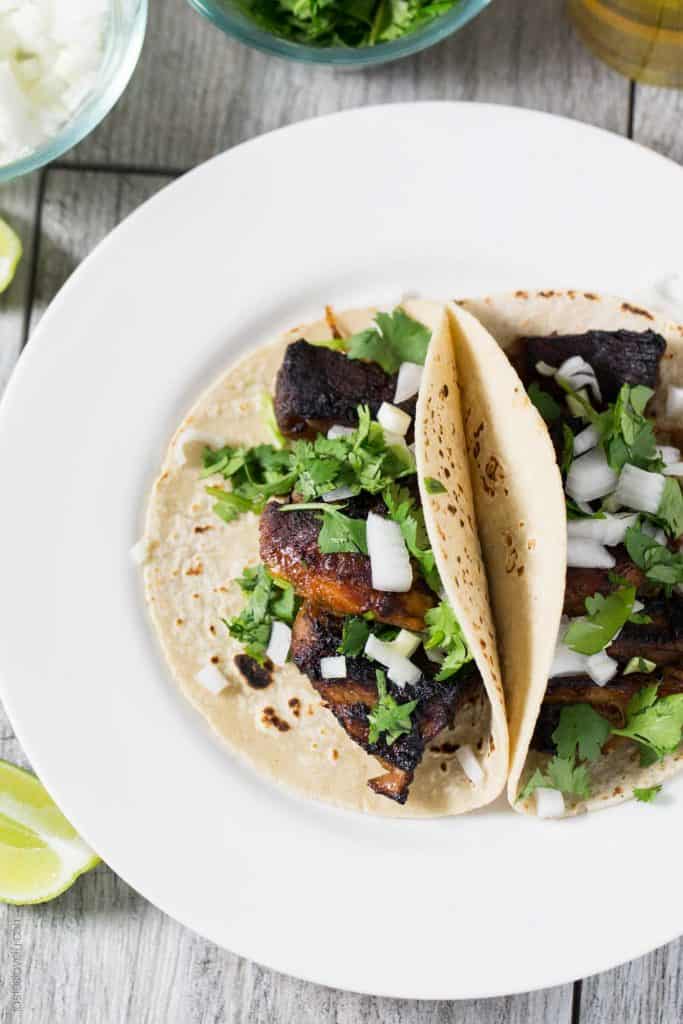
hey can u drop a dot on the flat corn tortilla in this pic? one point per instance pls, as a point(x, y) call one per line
point(283, 731)
point(527, 606)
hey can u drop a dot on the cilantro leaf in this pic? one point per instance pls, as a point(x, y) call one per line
point(660, 564)
point(626, 434)
point(444, 633)
point(268, 600)
point(670, 511)
point(582, 730)
point(642, 665)
point(548, 407)
point(355, 633)
point(338, 533)
point(396, 338)
point(567, 451)
point(388, 717)
point(434, 486)
point(647, 795)
point(655, 723)
point(561, 773)
point(606, 616)
point(255, 474)
point(270, 420)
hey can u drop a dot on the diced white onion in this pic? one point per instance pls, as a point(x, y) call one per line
point(338, 431)
point(338, 494)
point(610, 531)
point(576, 372)
point(279, 643)
point(601, 668)
point(393, 419)
point(574, 405)
point(545, 369)
point(469, 764)
point(639, 489)
point(588, 554)
point(190, 444)
point(590, 476)
point(549, 802)
point(673, 469)
point(399, 669)
point(567, 662)
point(655, 532)
point(139, 553)
point(638, 606)
point(435, 654)
point(406, 643)
point(586, 440)
point(408, 381)
point(668, 454)
point(333, 667)
point(392, 440)
point(211, 678)
point(674, 402)
point(389, 558)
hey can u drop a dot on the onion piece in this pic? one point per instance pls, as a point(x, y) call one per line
point(188, 442)
point(577, 373)
point(211, 678)
point(408, 381)
point(639, 489)
point(549, 802)
point(337, 431)
point(567, 662)
point(279, 643)
point(673, 469)
point(469, 764)
point(587, 439)
point(674, 402)
point(668, 454)
point(399, 669)
point(333, 667)
point(601, 668)
point(406, 643)
point(610, 531)
point(389, 558)
point(588, 554)
point(393, 419)
point(140, 552)
point(590, 476)
point(545, 369)
point(655, 532)
point(338, 494)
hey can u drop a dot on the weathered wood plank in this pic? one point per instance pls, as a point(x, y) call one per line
point(19, 206)
point(210, 92)
point(658, 119)
point(648, 989)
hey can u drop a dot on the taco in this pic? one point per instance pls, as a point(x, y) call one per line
point(314, 573)
point(574, 447)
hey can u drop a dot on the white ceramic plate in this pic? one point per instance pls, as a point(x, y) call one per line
point(442, 199)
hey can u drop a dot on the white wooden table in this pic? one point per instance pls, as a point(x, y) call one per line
point(101, 953)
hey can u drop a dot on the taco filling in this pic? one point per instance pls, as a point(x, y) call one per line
point(617, 674)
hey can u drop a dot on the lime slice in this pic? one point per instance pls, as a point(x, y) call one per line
point(41, 855)
point(10, 254)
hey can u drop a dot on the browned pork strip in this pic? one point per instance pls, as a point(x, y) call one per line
point(317, 387)
point(317, 634)
point(341, 583)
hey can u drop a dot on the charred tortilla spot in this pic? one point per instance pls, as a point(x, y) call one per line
point(628, 308)
point(270, 717)
point(257, 676)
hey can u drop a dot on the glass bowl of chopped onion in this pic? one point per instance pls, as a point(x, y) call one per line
point(341, 33)
point(63, 66)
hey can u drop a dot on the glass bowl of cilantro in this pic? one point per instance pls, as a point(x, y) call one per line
point(343, 33)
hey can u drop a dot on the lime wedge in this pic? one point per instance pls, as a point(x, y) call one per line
point(41, 855)
point(10, 254)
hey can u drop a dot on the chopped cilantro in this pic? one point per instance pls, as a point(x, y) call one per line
point(580, 730)
point(574, 512)
point(434, 486)
point(549, 409)
point(268, 600)
point(654, 723)
point(647, 795)
point(356, 631)
point(388, 717)
point(659, 563)
point(670, 511)
point(338, 533)
point(625, 432)
point(270, 420)
point(643, 665)
point(404, 510)
point(395, 339)
point(444, 633)
point(567, 450)
point(606, 616)
point(561, 773)
point(256, 474)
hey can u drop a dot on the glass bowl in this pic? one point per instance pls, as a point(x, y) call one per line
point(228, 17)
point(124, 37)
